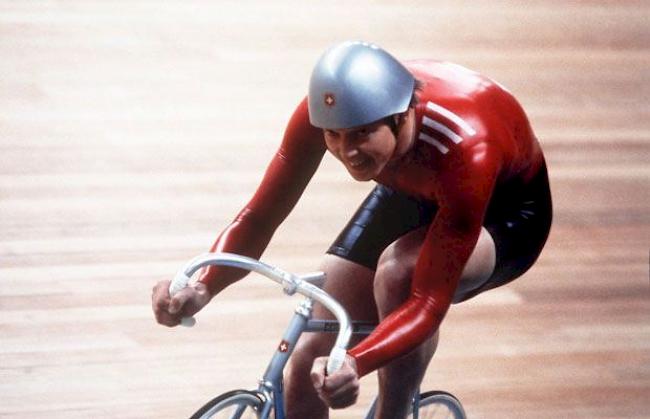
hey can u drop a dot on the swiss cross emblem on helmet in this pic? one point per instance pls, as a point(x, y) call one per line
point(329, 99)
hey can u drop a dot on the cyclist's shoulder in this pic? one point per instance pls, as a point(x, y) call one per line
point(446, 79)
point(452, 88)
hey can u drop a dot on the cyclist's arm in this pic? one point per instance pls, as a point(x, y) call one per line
point(285, 179)
point(462, 200)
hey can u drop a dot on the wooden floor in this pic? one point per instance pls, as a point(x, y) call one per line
point(132, 132)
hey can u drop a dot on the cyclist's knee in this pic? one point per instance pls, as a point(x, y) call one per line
point(301, 400)
point(311, 346)
point(395, 270)
point(392, 281)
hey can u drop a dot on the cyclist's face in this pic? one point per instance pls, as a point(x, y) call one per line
point(363, 150)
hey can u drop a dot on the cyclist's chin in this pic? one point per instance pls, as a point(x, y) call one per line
point(361, 178)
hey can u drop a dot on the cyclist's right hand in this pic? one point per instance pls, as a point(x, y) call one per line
point(187, 302)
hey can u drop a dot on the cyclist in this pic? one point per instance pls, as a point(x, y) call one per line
point(462, 205)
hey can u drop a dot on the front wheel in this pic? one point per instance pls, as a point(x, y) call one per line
point(237, 404)
point(439, 405)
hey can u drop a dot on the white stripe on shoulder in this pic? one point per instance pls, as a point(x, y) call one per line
point(451, 116)
point(442, 129)
point(437, 144)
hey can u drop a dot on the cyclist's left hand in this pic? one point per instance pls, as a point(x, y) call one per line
point(341, 388)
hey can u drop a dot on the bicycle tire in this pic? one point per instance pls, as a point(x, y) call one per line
point(440, 405)
point(236, 404)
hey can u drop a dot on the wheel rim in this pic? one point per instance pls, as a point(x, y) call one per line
point(241, 406)
point(440, 406)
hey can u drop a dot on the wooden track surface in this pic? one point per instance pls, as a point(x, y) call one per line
point(132, 132)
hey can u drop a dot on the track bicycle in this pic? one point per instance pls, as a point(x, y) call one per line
point(267, 400)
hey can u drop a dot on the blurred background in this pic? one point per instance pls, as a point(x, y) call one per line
point(131, 133)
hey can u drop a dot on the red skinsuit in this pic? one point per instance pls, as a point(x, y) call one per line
point(471, 136)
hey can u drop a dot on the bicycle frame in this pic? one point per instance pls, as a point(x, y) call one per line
point(270, 386)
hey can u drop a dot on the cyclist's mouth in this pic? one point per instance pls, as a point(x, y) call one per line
point(359, 163)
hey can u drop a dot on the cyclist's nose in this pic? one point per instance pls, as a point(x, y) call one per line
point(349, 147)
point(350, 152)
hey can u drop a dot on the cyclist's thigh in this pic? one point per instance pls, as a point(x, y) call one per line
point(352, 285)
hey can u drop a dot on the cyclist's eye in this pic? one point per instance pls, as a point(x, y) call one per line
point(330, 133)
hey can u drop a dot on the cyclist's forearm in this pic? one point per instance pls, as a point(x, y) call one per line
point(243, 237)
point(401, 332)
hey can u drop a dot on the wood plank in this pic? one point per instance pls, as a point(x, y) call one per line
point(132, 132)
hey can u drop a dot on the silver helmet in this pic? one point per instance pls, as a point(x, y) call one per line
point(356, 83)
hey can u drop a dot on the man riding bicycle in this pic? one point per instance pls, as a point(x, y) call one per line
point(462, 205)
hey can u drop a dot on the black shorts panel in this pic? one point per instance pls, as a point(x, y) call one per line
point(518, 219)
point(383, 217)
